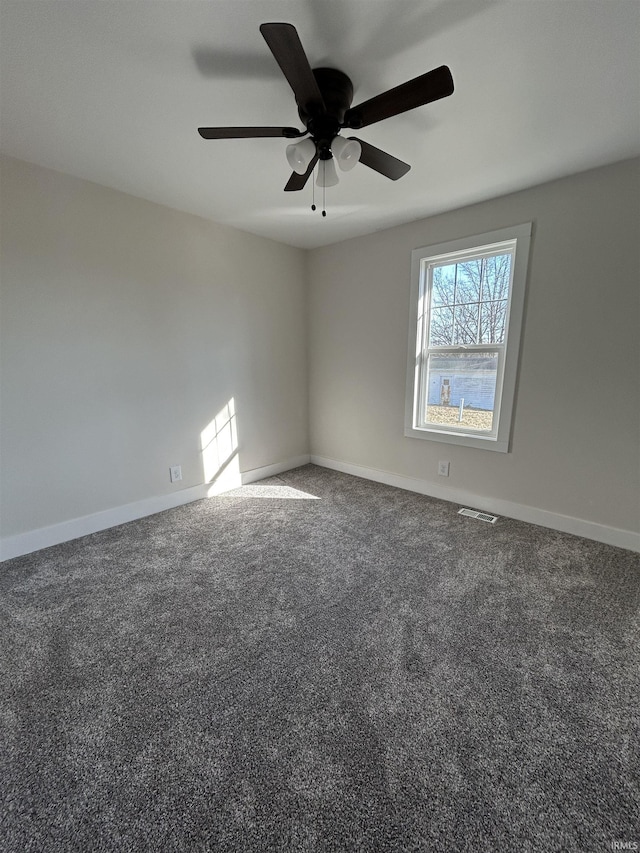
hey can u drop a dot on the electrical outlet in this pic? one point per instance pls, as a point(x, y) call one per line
point(443, 469)
point(175, 473)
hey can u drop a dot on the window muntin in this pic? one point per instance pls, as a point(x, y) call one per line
point(466, 338)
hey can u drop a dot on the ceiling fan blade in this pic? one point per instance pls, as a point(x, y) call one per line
point(382, 162)
point(414, 93)
point(286, 47)
point(296, 181)
point(248, 132)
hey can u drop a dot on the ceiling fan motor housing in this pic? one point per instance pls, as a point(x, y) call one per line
point(337, 93)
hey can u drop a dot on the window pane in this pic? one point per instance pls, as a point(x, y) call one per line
point(467, 379)
point(495, 282)
point(493, 316)
point(466, 324)
point(444, 279)
point(441, 328)
point(468, 283)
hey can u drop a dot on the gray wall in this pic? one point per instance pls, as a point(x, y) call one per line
point(575, 439)
point(126, 327)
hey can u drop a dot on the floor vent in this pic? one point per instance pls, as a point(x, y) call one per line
point(483, 516)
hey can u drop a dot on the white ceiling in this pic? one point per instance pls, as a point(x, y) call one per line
point(113, 91)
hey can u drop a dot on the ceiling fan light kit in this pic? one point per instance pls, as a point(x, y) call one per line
point(323, 97)
point(347, 152)
point(300, 154)
point(327, 175)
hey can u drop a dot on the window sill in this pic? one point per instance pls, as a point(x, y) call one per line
point(466, 439)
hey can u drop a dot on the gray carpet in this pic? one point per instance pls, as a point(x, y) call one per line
point(361, 671)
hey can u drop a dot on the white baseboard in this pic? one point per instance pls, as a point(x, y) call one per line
point(567, 524)
point(44, 537)
point(271, 470)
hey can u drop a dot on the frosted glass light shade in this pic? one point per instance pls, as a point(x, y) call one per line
point(300, 154)
point(346, 151)
point(327, 175)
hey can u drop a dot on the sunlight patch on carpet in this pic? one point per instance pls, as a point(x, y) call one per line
point(256, 490)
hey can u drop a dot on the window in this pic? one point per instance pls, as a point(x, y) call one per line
point(467, 300)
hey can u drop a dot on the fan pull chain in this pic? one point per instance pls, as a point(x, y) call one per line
point(313, 189)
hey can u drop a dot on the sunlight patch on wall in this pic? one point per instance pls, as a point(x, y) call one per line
point(219, 443)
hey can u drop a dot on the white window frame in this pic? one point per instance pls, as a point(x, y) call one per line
point(515, 240)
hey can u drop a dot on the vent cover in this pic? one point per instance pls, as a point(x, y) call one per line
point(483, 516)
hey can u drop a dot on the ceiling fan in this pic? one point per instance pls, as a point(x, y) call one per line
point(323, 97)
